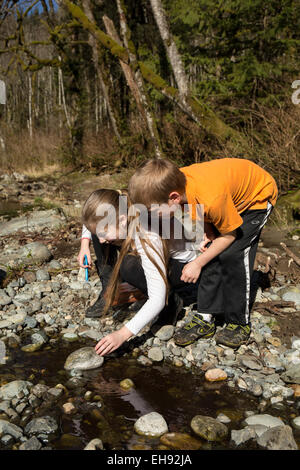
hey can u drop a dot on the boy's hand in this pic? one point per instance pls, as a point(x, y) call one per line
point(191, 272)
point(204, 242)
point(112, 341)
point(84, 250)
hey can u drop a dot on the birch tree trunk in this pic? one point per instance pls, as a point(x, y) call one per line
point(140, 87)
point(171, 48)
point(93, 43)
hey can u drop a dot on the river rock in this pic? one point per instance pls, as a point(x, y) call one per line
point(35, 252)
point(296, 423)
point(39, 337)
point(243, 435)
point(290, 294)
point(180, 441)
point(126, 384)
point(4, 298)
point(155, 354)
point(278, 438)
point(151, 424)
point(209, 428)
point(44, 427)
point(32, 444)
point(54, 264)
point(264, 420)
point(215, 375)
point(84, 359)
point(250, 362)
point(292, 375)
point(165, 332)
point(15, 389)
point(32, 221)
point(42, 275)
point(94, 444)
point(11, 429)
point(32, 347)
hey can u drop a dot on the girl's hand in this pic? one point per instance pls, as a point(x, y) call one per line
point(191, 271)
point(112, 341)
point(84, 250)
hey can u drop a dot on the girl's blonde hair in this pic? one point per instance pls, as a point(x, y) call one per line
point(90, 220)
point(154, 181)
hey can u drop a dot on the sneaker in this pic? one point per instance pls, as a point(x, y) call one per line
point(96, 310)
point(194, 330)
point(233, 335)
point(169, 314)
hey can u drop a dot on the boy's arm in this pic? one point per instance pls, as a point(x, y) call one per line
point(192, 270)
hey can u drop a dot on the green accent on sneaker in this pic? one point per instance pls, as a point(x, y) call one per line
point(233, 335)
point(194, 330)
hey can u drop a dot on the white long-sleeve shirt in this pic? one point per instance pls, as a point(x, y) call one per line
point(180, 249)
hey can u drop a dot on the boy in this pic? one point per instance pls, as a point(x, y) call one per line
point(238, 197)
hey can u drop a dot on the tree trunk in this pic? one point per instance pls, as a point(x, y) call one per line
point(140, 86)
point(93, 43)
point(171, 48)
point(195, 109)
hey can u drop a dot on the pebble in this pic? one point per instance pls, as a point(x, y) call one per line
point(215, 375)
point(15, 389)
point(126, 384)
point(296, 423)
point(180, 441)
point(69, 408)
point(209, 428)
point(152, 424)
point(278, 438)
point(264, 420)
point(42, 275)
point(155, 354)
point(31, 444)
point(94, 444)
point(165, 333)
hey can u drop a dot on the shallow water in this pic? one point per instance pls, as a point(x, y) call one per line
point(176, 393)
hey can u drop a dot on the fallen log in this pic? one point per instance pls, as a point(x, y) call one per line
point(291, 254)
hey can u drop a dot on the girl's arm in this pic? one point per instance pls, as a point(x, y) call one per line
point(85, 248)
point(156, 300)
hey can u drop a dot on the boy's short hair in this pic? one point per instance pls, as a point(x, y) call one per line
point(154, 181)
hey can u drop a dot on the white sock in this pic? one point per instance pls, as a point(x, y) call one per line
point(206, 316)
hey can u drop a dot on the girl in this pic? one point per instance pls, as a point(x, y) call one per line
point(142, 262)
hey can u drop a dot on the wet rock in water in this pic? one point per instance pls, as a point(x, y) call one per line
point(42, 275)
point(165, 332)
point(180, 441)
point(278, 438)
point(39, 337)
point(83, 359)
point(151, 424)
point(155, 354)
point(31, 444)
point(43, 428)
point(94, 444)
point(215, 375)
point(223, 418)
point(144, 361)
point(292, 375)
point(263, 420)
point(39, 390)
point(15, 389)
point(208, 428)
point(7, 440)
point(69, 408)
point(126, 384)
point(32, 347)
point(70, 337)
point(243, 435)
point(11, 429)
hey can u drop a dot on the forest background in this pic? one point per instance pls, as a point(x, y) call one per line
point(101, 85)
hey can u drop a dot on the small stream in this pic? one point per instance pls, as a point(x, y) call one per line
point(173, 392)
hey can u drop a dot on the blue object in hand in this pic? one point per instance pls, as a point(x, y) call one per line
point(85, 262)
